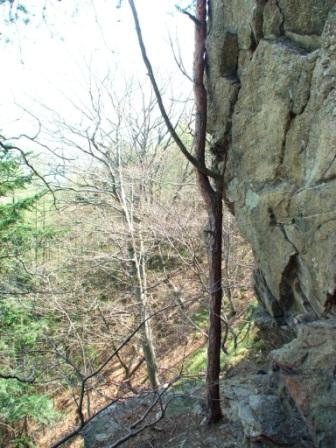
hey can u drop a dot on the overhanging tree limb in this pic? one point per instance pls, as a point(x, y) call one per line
point(199, 165)
point(187, 13)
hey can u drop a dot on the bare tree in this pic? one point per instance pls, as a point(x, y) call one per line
point(125, 152)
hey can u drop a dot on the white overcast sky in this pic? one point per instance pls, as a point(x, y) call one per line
point(47, 60)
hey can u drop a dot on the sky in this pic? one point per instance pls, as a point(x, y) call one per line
point(47, 61)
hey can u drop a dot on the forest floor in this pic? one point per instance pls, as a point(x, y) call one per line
point(182, 426)
point(186, 426)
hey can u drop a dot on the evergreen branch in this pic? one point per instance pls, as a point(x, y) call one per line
point(8, 147)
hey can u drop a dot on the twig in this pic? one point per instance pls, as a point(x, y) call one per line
point(178, 60)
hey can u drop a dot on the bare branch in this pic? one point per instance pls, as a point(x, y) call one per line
point(17, 378)
point(188, 14)
point(199, 165)
point(178, 59)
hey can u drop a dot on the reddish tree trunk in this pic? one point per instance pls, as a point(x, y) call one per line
point(213, 201)
point(215, 302)
point(212, 196)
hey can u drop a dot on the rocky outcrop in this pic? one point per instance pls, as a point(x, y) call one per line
point(271, 82)
point(308, 370)
point(288, 404)
point(258, 413)
point(264, 413)
point(125, 419)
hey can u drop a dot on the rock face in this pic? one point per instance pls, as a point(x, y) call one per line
point(308, 370)
point(272, 114)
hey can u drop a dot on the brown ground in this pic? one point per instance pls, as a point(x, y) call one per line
point(174, 350)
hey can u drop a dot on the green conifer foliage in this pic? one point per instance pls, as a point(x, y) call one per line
point(21, 332)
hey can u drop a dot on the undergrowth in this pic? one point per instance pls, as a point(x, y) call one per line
point(247, 343)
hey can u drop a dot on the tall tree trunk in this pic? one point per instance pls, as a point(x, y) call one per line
point(146, 334)
point(148, 349)
point(212, 196)
point(215, 213)
point(137, 255)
